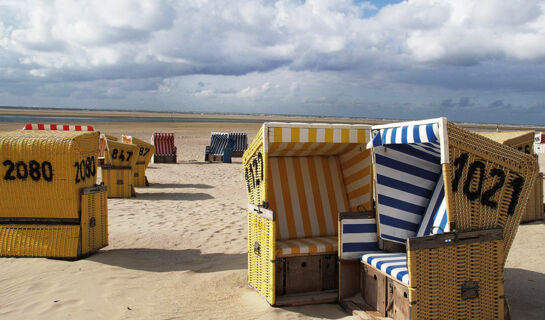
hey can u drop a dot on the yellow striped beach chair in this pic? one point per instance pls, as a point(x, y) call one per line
point(299, 177)
point(449, 202)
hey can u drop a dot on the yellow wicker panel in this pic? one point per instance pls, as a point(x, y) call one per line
point(34, 240)
point(437, 276)
point(119, 181)
point(94, 220)
point(261, 246)
point(42, 172)
point(120, 154)
point(145, 150)
point(255, 168)
point(487, 183)
point(140, 175)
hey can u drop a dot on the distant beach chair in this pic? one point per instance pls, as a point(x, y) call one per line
point(50, 205)
point(234, 143)
point(165, 149)
point(523, 141)
point(119, 167)
point(299, 176)
point(448, 203)
point(144, 155)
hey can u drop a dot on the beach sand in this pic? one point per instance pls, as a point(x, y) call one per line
point(178, 250)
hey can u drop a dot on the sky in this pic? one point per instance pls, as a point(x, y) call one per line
point(476, 61)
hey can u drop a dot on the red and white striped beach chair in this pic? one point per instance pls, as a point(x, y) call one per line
point(165, 150)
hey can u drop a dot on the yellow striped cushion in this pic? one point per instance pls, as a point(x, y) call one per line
point(318, 245)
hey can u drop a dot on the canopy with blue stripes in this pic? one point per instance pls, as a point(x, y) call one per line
point(417, 133)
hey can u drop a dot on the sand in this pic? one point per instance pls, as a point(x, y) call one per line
point(178, 250)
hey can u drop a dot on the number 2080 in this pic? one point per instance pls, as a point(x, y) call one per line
point(22, 170)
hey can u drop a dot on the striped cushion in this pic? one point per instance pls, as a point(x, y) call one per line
point(422, 133)
point(393, 264)
point(358, 236)
point(406, 178)
point(164, 144)
point(318, 245)
point(435, 219)
point(307, 193)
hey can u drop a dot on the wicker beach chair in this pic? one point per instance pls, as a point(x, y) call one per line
point(524, 142)
point(299, 177)
point(234, 143)
point(165, 150)
point(119, 168)
point(50, 205)
point(144, 155)
point(449, 203)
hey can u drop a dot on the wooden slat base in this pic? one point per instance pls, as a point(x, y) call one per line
point(358, 307)
point(298, 299)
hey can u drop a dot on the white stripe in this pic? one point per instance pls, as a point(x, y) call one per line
point(363, 199)
point(282, 221)
point(310, 197)
point(353, 135)
point(358, 184)
point(408, 159)
point(359, 237)
point(403, 176)
point(320, 135)
point(395, 232)
point(337, 137)
point(286, 134)
point(423, 134)
point(303, 135)
point(403, 195)
point(340, 196)
point(398, 214)
point(323, 192)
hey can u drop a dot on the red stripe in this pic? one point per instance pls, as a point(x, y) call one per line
point(53, 127)
point(78, 128)
point(28, 126)
point(66, 127)
point(41, 126)
point(89, 128)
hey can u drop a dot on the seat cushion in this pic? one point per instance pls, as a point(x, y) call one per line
point(393, 264)
point(302, 246)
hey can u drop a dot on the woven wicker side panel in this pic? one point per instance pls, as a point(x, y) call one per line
point(94, 222)
point(120, 182)
point(437, 276)
point(255, 171)
point(489, 183)
point(261, 246)
point(34, 240)
point(42, 172)
point(140, 175)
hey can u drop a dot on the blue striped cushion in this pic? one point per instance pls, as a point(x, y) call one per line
point(240, 139)
point(218, 142)
point(406, 178)
point(419, 133)
point(393, 264)
point(435, 219)
point(357, 236)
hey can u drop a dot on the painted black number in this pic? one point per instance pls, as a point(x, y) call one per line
point(9, 173)
point(34, 171)
point(114, 154)
point(485, 198)
point(473, 195)
point(130, 155)
point(517, 184)
point(460, 163)
point(47, 171)
point(22, 170)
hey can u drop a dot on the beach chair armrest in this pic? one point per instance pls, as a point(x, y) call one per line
point(265, 213)
point(357, 234)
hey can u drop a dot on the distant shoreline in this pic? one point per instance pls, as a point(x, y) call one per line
point(24, 114)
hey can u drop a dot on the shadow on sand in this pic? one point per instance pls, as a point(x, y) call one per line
point(525, 291)
point(162, 260)
point(173, 196)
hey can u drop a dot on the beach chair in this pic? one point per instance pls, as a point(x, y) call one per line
point(50, 205)
point(102, 145)
point(299, 177)
point(165, 150)
point(448, 204)
point(144, 155)
point(218, 143)
point(523, 141)
point(119, 167)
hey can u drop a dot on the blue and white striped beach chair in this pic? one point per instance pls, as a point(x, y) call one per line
point(448, 203)
point(240, 143)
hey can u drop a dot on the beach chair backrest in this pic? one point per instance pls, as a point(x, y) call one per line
point(486, 184)
point(240, 140)
point(145, 150)
point(308, 173)
point(408, 168)
point(218, 142)
point(164, 144)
